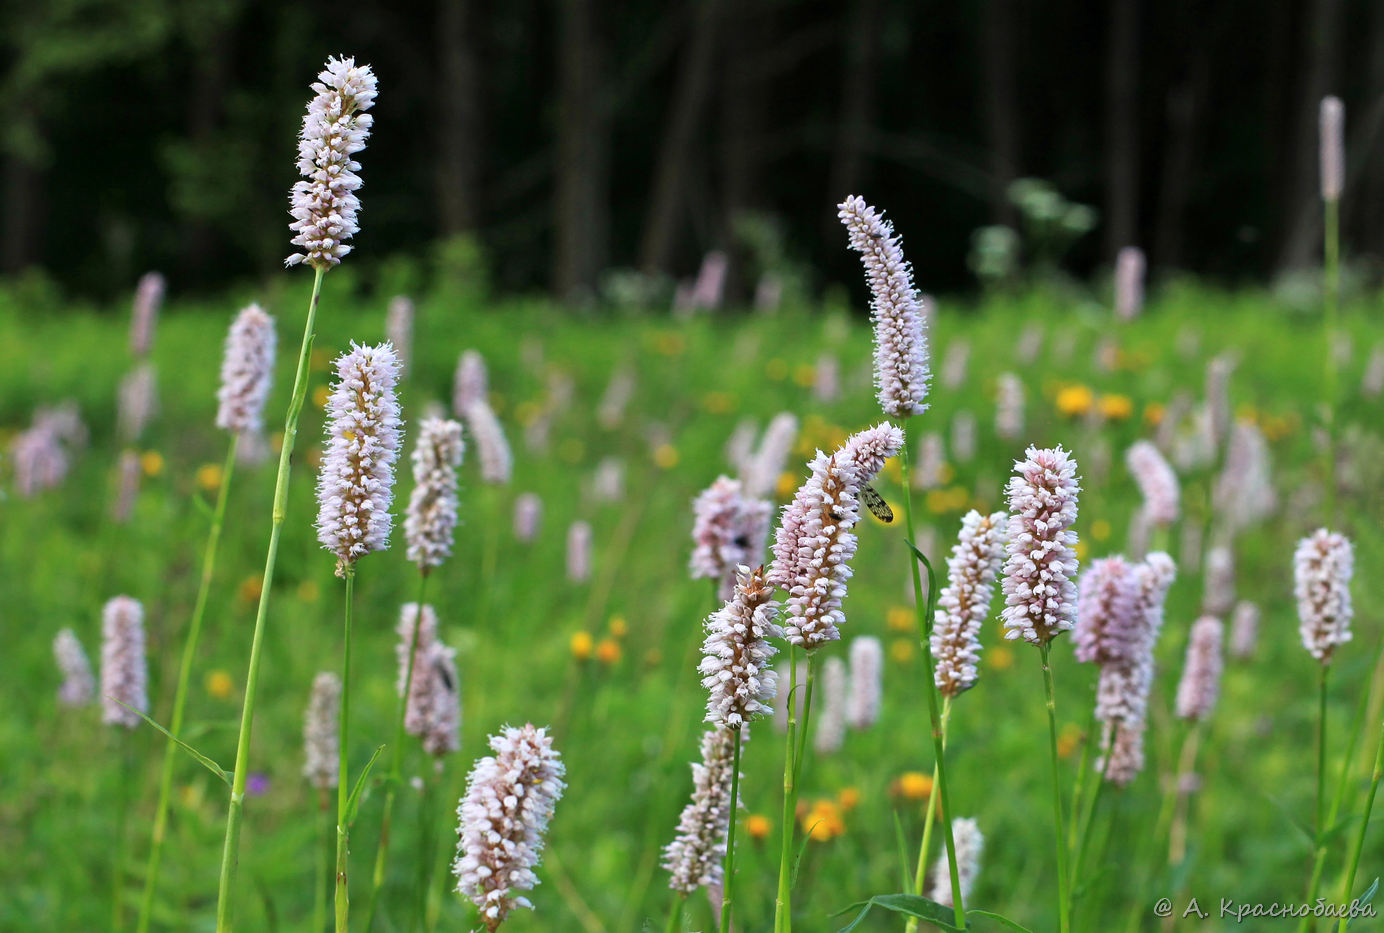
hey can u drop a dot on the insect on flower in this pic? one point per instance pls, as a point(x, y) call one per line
point(876, 504)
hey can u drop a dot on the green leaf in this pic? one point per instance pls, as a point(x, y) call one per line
point(1366, 898)
point(1003, 921)
point(904, 862)
point(802, 850)
point(1335, 832)
point(206, 762)
point(931, 611)
point(353, 802)
point(1288, 815)
point(910, 905)
point(203, 506)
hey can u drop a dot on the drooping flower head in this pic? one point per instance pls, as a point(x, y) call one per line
point(492, 449)
point(355, 485)
point(1201, 674)
point(247, 370)
point(431, 518)
point(399, 329)
point(124, 670)
point(1129, 283)
point(78, 685)
point(829, 729)
point(815, 542)
point(1323, 565)
point(145, 313)
point(867, 682)
point(735, 667)
point(510, 797)
point(964, 602)
point(324, 205)
point(321, 732)
point(695, 856)
point(728, 530)
point(901, 356)
point(1333, 148)
point(970, 844)
point(1157, 482)
point(1039, 595)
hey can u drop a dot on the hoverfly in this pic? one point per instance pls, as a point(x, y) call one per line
point(876, 504)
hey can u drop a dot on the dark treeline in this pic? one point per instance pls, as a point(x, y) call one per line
point(572, 137)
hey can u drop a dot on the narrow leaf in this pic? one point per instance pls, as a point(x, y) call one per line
point(1003, 921)
point(904, 861)
point(1288, 815)
point(353, 802)
point(206, 762)
point(910, 905)
point(1365, 898)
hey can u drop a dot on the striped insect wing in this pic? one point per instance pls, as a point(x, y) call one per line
point(446, 676)
point(876, 504)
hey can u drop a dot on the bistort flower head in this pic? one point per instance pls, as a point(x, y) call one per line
point(970, 844)
point(1129, 283)
point(124, 670)
point(901, 356)
point(1323, 565)
point(324, 205)
point(399, 329)
point(528, 515)
point(492, 449)
point(728, 530)
point(1039, 595)
point(509, 800)
point(579, 552)
point(814, 543)
point(1009, 406)
point(735, 667)
point(145, 313)
point(761, 470)
point(78, 685)
point(964, 602)
point(1201, 673)
point(1244, 630)
point(138, 401)
point(867, 682)
point(695, 856)
point(1157, 482)
point(321, 732)
point(433, 708)
point(355, 485)
point(247, 370)
point(829, 731)
point(1333, 148)
point(1109, 628)
point(431, 518)
point(471, 383)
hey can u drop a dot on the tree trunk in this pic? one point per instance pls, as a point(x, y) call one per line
point(1185, 108)
point(23, 214)
point(744, 126)
point(1302, 195)
point(459, 119)
point(583, 155)
point(857, 104)
point(1001, 109)
point(1122, 128)
point(662, 221)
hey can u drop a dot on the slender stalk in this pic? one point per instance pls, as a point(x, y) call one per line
point(122, 850)
point(1063, 895)
point(923, 612)
point(1078, 792)
point(395, 762)
point(783, 919)
point(1177, 835)
point(175, 722)
point(230, 854)
point(801, 753)
point(919, 876)
point(1349, 884)
point(319, 877)
point(1082, 841)
point(343, 829)
point(675, 913)
point(1318, 813)
point(1332, 255)
point(729, 873)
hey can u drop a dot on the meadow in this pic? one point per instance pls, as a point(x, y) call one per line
point(610, 662)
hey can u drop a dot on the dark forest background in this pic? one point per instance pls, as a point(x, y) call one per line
point(564, 139)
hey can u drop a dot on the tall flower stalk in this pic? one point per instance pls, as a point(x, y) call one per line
point(1333, 176)
point(324, 208)
point(354, 492)
point(246, 371)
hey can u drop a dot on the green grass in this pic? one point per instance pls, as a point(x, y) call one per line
point(628, 730)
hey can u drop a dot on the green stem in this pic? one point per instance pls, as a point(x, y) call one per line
point(801, 754)
point(395, 762)
point(1332, 249)
point(783, 919)
point(319, 877)
point(675, 913)
point(1364, 827)
point(1318, 813)
point(175, 723)
point(920, 875)
point(1063, 895)
point(1079, 791)
point(923, 608)
point(230, 854)
point(127, 775)
point(343, 829)
point(729, 873)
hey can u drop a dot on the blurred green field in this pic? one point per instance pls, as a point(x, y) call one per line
point(627, 727)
